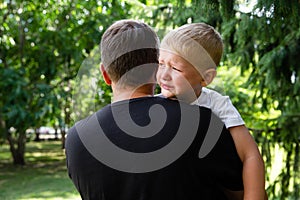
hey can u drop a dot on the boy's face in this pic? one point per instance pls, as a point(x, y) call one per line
point(177, 77)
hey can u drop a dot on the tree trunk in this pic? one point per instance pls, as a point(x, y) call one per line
point(37, 135)
point(17, 148)
point(55, 133)
point(67, 115)
point(63, 137)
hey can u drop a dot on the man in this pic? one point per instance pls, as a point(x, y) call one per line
point(142, 147)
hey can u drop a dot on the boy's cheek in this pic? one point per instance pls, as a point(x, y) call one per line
point(158, 73)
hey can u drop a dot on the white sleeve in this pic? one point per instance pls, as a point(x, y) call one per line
point(220, 106)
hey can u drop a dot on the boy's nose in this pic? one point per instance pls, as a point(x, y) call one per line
point(166, 74)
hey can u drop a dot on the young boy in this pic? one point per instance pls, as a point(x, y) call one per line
point(188, 59)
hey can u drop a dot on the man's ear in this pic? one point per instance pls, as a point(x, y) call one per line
point(105, 75)
point(208, 76)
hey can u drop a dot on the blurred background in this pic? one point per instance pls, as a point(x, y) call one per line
point(48, 47)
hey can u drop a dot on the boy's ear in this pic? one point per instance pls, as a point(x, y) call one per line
point(105, 75)
point(208, 76)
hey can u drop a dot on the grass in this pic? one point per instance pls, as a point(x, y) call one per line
point(44, 177)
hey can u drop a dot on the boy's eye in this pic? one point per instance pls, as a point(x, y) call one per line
point(161, 65)
point(176, 69)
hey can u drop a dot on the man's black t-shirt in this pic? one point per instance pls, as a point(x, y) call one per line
point(153, 163)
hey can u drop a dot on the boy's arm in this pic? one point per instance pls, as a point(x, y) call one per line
point(253, 165)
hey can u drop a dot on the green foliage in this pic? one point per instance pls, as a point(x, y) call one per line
point(42, 47)
point(90, 92)
point(274, 57)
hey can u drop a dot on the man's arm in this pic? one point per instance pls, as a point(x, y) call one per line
point(253, 165)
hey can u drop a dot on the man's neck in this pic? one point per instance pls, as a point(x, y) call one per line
point(129, 93)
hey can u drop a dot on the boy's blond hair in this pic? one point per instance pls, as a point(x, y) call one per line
point(198, 43)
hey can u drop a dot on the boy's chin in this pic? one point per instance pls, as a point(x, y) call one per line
point(168, 94)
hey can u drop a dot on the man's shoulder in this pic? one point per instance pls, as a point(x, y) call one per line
point(85, 119)
point(161, 98)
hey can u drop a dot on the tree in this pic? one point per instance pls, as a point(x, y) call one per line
point(42, 47)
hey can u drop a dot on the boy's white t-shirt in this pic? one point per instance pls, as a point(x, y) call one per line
point(220, 106)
